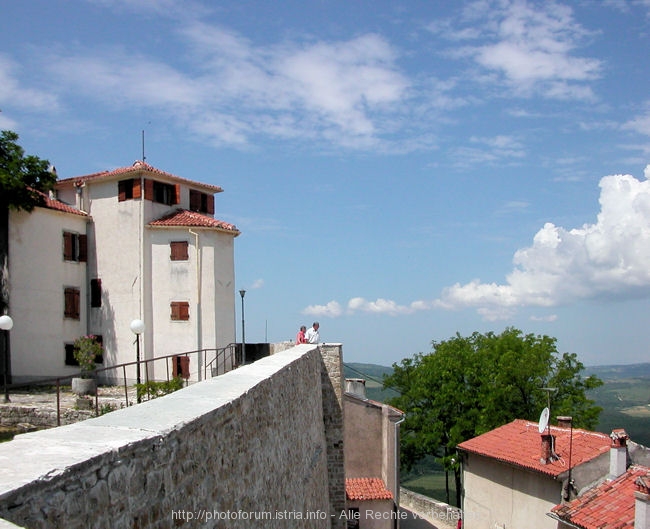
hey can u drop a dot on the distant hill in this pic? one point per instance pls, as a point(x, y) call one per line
point(624, 396)
point(373, 375)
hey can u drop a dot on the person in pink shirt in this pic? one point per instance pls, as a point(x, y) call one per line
point(300, 337)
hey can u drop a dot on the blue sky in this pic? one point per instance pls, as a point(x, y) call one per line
point(400, 171)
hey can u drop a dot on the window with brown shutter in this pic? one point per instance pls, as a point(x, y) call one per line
point(95, 293)
point(75, 247)
point(72, 299)
point(180, 310)
point(126, 189)
point(195, 200)
point(179, 250)
point(201, 202)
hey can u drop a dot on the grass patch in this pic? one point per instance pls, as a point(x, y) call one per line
point(433, 486)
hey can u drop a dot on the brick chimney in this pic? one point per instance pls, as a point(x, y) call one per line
point(618, 453)
point(642, 502)
point(564, 421)
point(546, 455)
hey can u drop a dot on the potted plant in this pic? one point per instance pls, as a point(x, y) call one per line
point(86, 350)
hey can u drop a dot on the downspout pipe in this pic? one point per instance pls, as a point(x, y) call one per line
point(397, 460)
point(199, 330)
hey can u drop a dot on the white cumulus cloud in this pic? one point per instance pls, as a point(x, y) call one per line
point(332, 309)
point(607, 259)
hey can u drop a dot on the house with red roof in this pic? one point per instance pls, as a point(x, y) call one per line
point(621, 503)
point(524, 475)
point(514, 475)
point(371, 459)
point(111, 247)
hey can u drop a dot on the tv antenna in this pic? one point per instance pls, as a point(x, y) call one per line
point(144, 158)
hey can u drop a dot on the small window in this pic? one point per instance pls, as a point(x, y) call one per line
point(201, 202)
point(75, 247)
point(179, 250)
point(128, 189)
point(180, 310)
point(69, 355)
point(71, 303)
point(95, 293)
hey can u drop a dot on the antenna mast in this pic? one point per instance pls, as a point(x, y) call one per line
point(143, 156)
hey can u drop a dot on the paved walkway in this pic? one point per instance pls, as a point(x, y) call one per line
point(46, 397)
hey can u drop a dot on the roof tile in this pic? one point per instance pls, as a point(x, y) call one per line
point(185, 218)
point(367, 489)
point(610, 505)
point(136, 167)
point(519, 443)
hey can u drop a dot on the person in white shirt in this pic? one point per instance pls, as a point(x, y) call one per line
point(312, 334)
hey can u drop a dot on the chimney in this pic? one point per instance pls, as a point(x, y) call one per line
point(642, 502)
point(547, 449)
point(356, 387)
point(618, 453)
point(564, 421)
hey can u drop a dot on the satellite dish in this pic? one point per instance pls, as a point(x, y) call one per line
point(543, 420)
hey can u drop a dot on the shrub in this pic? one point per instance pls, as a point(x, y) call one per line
point(86, 350)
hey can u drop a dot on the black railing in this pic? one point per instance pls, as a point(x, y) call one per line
point(221, 361)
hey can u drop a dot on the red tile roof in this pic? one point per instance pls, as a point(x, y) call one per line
point(519, 443)
point(137, 166)
point(52, 203)
point(610, 505)
point(367, 489)
point(192, 219)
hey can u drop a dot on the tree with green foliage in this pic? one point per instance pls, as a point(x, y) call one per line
point(470, 385)
point(22, 180)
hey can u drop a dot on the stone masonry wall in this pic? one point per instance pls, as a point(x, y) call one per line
point(251, 448)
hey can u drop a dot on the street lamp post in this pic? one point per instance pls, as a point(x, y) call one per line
point(137, 327)
point(6, 323)
point(242, 293)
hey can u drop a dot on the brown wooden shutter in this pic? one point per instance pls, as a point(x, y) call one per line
point(210, 209)
point(72, 302)
point(121, 191)
point(179, 250)
point(180, 310)
point(83, 248)
point(68, 248)
point(137, 188)
point(148, 189)
point(177, 194)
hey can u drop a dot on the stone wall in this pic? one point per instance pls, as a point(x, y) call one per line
point(260, 446)
point(441, 514)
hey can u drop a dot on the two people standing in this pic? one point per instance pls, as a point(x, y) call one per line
point(310, 336)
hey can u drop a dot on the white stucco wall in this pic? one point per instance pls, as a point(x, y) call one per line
point(138, 280)
point(500, 495)
point(38, 276)
point(116, 235)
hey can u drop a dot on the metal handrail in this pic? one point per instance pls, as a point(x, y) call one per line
point(224, 360)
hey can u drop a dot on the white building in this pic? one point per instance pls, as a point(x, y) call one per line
point(132, 243)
